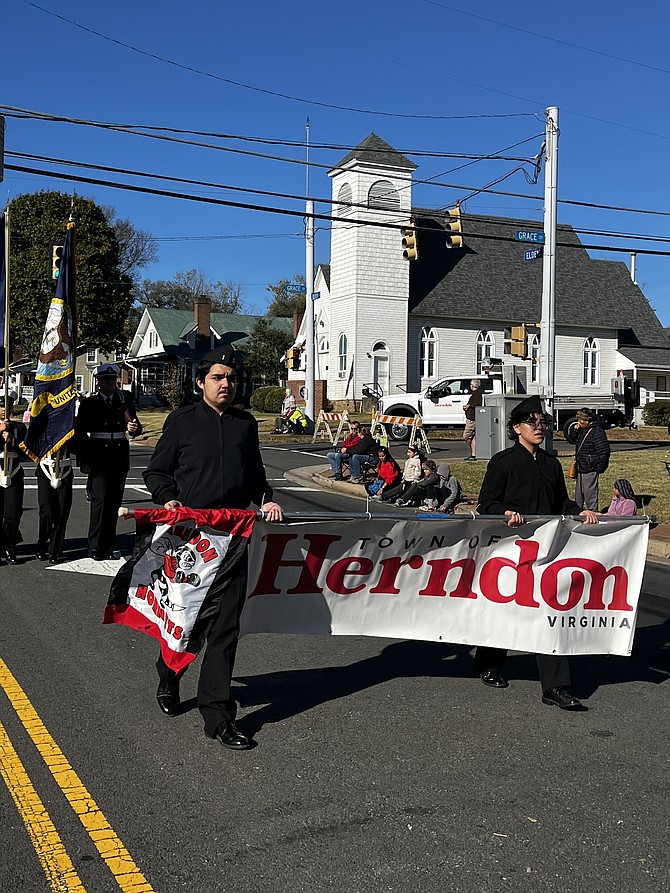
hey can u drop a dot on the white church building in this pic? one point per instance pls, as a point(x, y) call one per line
point(397, 325)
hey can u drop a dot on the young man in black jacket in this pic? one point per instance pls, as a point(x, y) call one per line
point(209, 457)
point(525, 479)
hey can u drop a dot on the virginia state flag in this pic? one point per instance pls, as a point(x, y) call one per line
point(54, 396)
point(182, 566)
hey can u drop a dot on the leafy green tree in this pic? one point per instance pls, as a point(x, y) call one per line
point(283, 303)
point(103, 291)
point(179, 292)
point(264, 351)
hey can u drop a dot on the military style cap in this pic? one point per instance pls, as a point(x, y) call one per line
point(224, 355)
point(527, 406)
point(108, 370)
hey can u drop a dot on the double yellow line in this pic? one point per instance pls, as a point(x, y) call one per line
point(51, 853)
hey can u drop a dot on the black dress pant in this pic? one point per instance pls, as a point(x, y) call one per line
point(554, 669)
point(11, 510)
point(106, 488)
point(214, 701)
point(54, 506)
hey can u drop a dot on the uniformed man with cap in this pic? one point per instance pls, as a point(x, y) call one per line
point(525, 479)
point(209, 457)
point(12, 433)
point(103, 424)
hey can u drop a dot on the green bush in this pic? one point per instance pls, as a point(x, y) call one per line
point(657, 413)
point(268, 399)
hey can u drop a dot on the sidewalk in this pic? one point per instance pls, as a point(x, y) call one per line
point(659, 536)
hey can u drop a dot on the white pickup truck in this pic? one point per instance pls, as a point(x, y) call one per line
point(441, 404)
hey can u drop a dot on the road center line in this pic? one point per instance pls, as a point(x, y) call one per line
point(57, 865)
point(119, 861)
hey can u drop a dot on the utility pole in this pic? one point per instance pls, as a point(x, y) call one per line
point(548, 321)
point(309, 288)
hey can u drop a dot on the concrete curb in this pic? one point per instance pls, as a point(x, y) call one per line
point(659, 536)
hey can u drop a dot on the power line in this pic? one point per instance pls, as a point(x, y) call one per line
point(285, 211)
point(199, 71)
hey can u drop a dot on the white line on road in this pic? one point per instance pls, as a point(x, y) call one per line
point(297, 452)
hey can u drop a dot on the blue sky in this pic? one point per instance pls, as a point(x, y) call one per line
point(477, 76)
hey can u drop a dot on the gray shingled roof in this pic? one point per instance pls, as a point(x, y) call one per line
point(325, 269)
point(653, 357)
point(374, 150)
point(489, 279)
point(174, 326)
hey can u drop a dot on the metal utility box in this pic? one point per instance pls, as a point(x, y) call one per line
point(515, 379)
point(491, 424)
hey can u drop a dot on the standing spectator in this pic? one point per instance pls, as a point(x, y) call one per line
point(364, 451)
point(450, 493)
point(623, 502)
point(336, 458)
point(525, 479)
point(103, 453)
point(11, 497)
point(411, 473)
point(209, 457)
point(592, 455)
point(470, 408)
point(388, 474)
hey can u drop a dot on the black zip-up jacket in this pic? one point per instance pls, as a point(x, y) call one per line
point(207, 460)
point(366, 446)
point(593, 452)
point(515, 481)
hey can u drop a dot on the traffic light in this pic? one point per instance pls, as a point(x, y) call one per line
point(293, 358)
point(454, 237)
point(409, 242)
point(520, 341)
point(56, 258)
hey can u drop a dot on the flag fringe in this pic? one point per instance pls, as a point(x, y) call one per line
point(51, 450)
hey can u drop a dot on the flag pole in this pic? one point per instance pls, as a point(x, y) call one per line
point(5, 458)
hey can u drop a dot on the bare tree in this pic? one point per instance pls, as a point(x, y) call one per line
point(137, 248)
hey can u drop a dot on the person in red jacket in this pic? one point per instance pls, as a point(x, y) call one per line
point(388, 474)
point(336, 458)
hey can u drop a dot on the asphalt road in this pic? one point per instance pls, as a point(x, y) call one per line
point(380, 765)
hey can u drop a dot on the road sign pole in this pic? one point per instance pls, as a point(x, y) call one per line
point(309, 304)
point(548, 322)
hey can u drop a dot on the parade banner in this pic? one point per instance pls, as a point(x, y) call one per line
point(551, 587)
point(182, 564)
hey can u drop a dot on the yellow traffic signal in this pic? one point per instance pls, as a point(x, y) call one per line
point(410, 243)
point(293, 358)
point(56, 259)
point(519, 347)
point(454, 237)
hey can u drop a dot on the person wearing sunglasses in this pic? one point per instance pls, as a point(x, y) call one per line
point(527, 480)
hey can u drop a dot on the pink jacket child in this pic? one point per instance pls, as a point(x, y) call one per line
point(623, 503)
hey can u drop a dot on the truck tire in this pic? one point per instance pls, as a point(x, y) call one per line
point(568, 428)
point(399, 432)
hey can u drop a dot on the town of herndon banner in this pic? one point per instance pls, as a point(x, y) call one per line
point(553, 587)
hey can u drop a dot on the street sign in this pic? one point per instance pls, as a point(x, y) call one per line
point(533, 254)
point(296, 289)
point(316, 295)
point(524, 235)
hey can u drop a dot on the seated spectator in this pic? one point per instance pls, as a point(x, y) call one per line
point(282, 424)
point(425, 489)
point(412, 472)
point(336, 458)
point(623, 502)
point(364, 451)
point(450, 492)
point(388, 475)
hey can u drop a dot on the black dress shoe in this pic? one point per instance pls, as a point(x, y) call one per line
point(493, 678)
point(167, 696)
point(559, 697)
point(11, 555)
point(55, 559)
point(230, 736)
point(41, 554)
